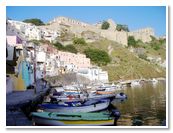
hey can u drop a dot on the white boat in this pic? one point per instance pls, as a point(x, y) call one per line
point(121, 96)
point(154, 81)
point(86, 107)
point(102, 96)
point(56, 90)
point(66, 93)
point(135, 83)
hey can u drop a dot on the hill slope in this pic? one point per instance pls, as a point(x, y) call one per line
point(124, 64)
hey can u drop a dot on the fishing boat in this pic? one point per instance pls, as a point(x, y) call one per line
point(135, 83)
point(107, 96)
point(67, 98)
point(121, 95)
point(75, 119)
point(89, 106)
point(105, 92)
point(154, 81)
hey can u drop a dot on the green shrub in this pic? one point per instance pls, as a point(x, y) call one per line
point(79, 41)
point(156, 43)
point(99, 57)
point(143, 56)
point(105, 25)
point(36, 42)
point(70, 48)
point(34, 21)
point(131, 41)
point(59, 46)
point(121, 27)
point(156, 47)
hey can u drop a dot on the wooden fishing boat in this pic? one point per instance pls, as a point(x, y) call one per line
point(89, 106)
point(105, 92)
point(61, 94)
point(121, 95)
point(67, 98)
point(101, 96)
point(75, 119)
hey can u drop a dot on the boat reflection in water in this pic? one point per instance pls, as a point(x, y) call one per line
point(146, 105)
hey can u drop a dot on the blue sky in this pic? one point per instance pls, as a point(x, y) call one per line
point(134, 16)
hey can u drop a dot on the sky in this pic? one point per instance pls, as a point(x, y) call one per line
point(135, 17)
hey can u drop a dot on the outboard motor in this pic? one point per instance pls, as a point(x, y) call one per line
point(116, 114)
point(121, 95)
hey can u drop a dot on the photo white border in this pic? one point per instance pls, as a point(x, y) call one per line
point(87, 3)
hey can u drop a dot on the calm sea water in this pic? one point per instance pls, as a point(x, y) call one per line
point(145, 105)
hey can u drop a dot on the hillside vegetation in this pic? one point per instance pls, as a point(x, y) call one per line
point(125, 64)
point(34, 21)
point(118, 60)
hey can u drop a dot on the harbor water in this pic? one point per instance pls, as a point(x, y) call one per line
point(145, 106)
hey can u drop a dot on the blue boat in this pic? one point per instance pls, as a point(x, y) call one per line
point(88, 106)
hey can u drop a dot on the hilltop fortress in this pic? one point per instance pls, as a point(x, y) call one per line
point(78, 28)
point(67, 28)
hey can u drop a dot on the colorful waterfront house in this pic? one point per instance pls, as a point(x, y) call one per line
point(74, 60)
point(40, 60)
point(11, 59)
point(21, 74)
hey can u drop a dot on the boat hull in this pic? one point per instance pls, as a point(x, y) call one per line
point(87, 108)
point(105, 92)
point(72, 119)
point(48, 122)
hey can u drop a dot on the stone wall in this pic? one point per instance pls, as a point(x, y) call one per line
point(142, 34)
point(64, 24)
point(68, 21)
point(121, 37)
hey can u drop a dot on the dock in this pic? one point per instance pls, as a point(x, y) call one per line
point(19, 104)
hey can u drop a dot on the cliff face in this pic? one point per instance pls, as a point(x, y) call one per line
point(77, 27)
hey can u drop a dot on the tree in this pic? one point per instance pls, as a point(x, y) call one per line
point(59, 46)
point(34, 21)
point(121, 27)
point(105, 25)
point(36, 42)
point(70, 48)
point(156, 44)
point(131, 41)
point(99, 57)
point(77, 40)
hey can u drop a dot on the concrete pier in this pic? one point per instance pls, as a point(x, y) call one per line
point(19, 102)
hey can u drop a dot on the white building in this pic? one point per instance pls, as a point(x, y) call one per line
point(32, 32)
point(94, 74)
point(50, 35)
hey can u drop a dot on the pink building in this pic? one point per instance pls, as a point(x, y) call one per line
point(66, 58)
point(13, 40)
point(79, 60)
point(14, 44)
